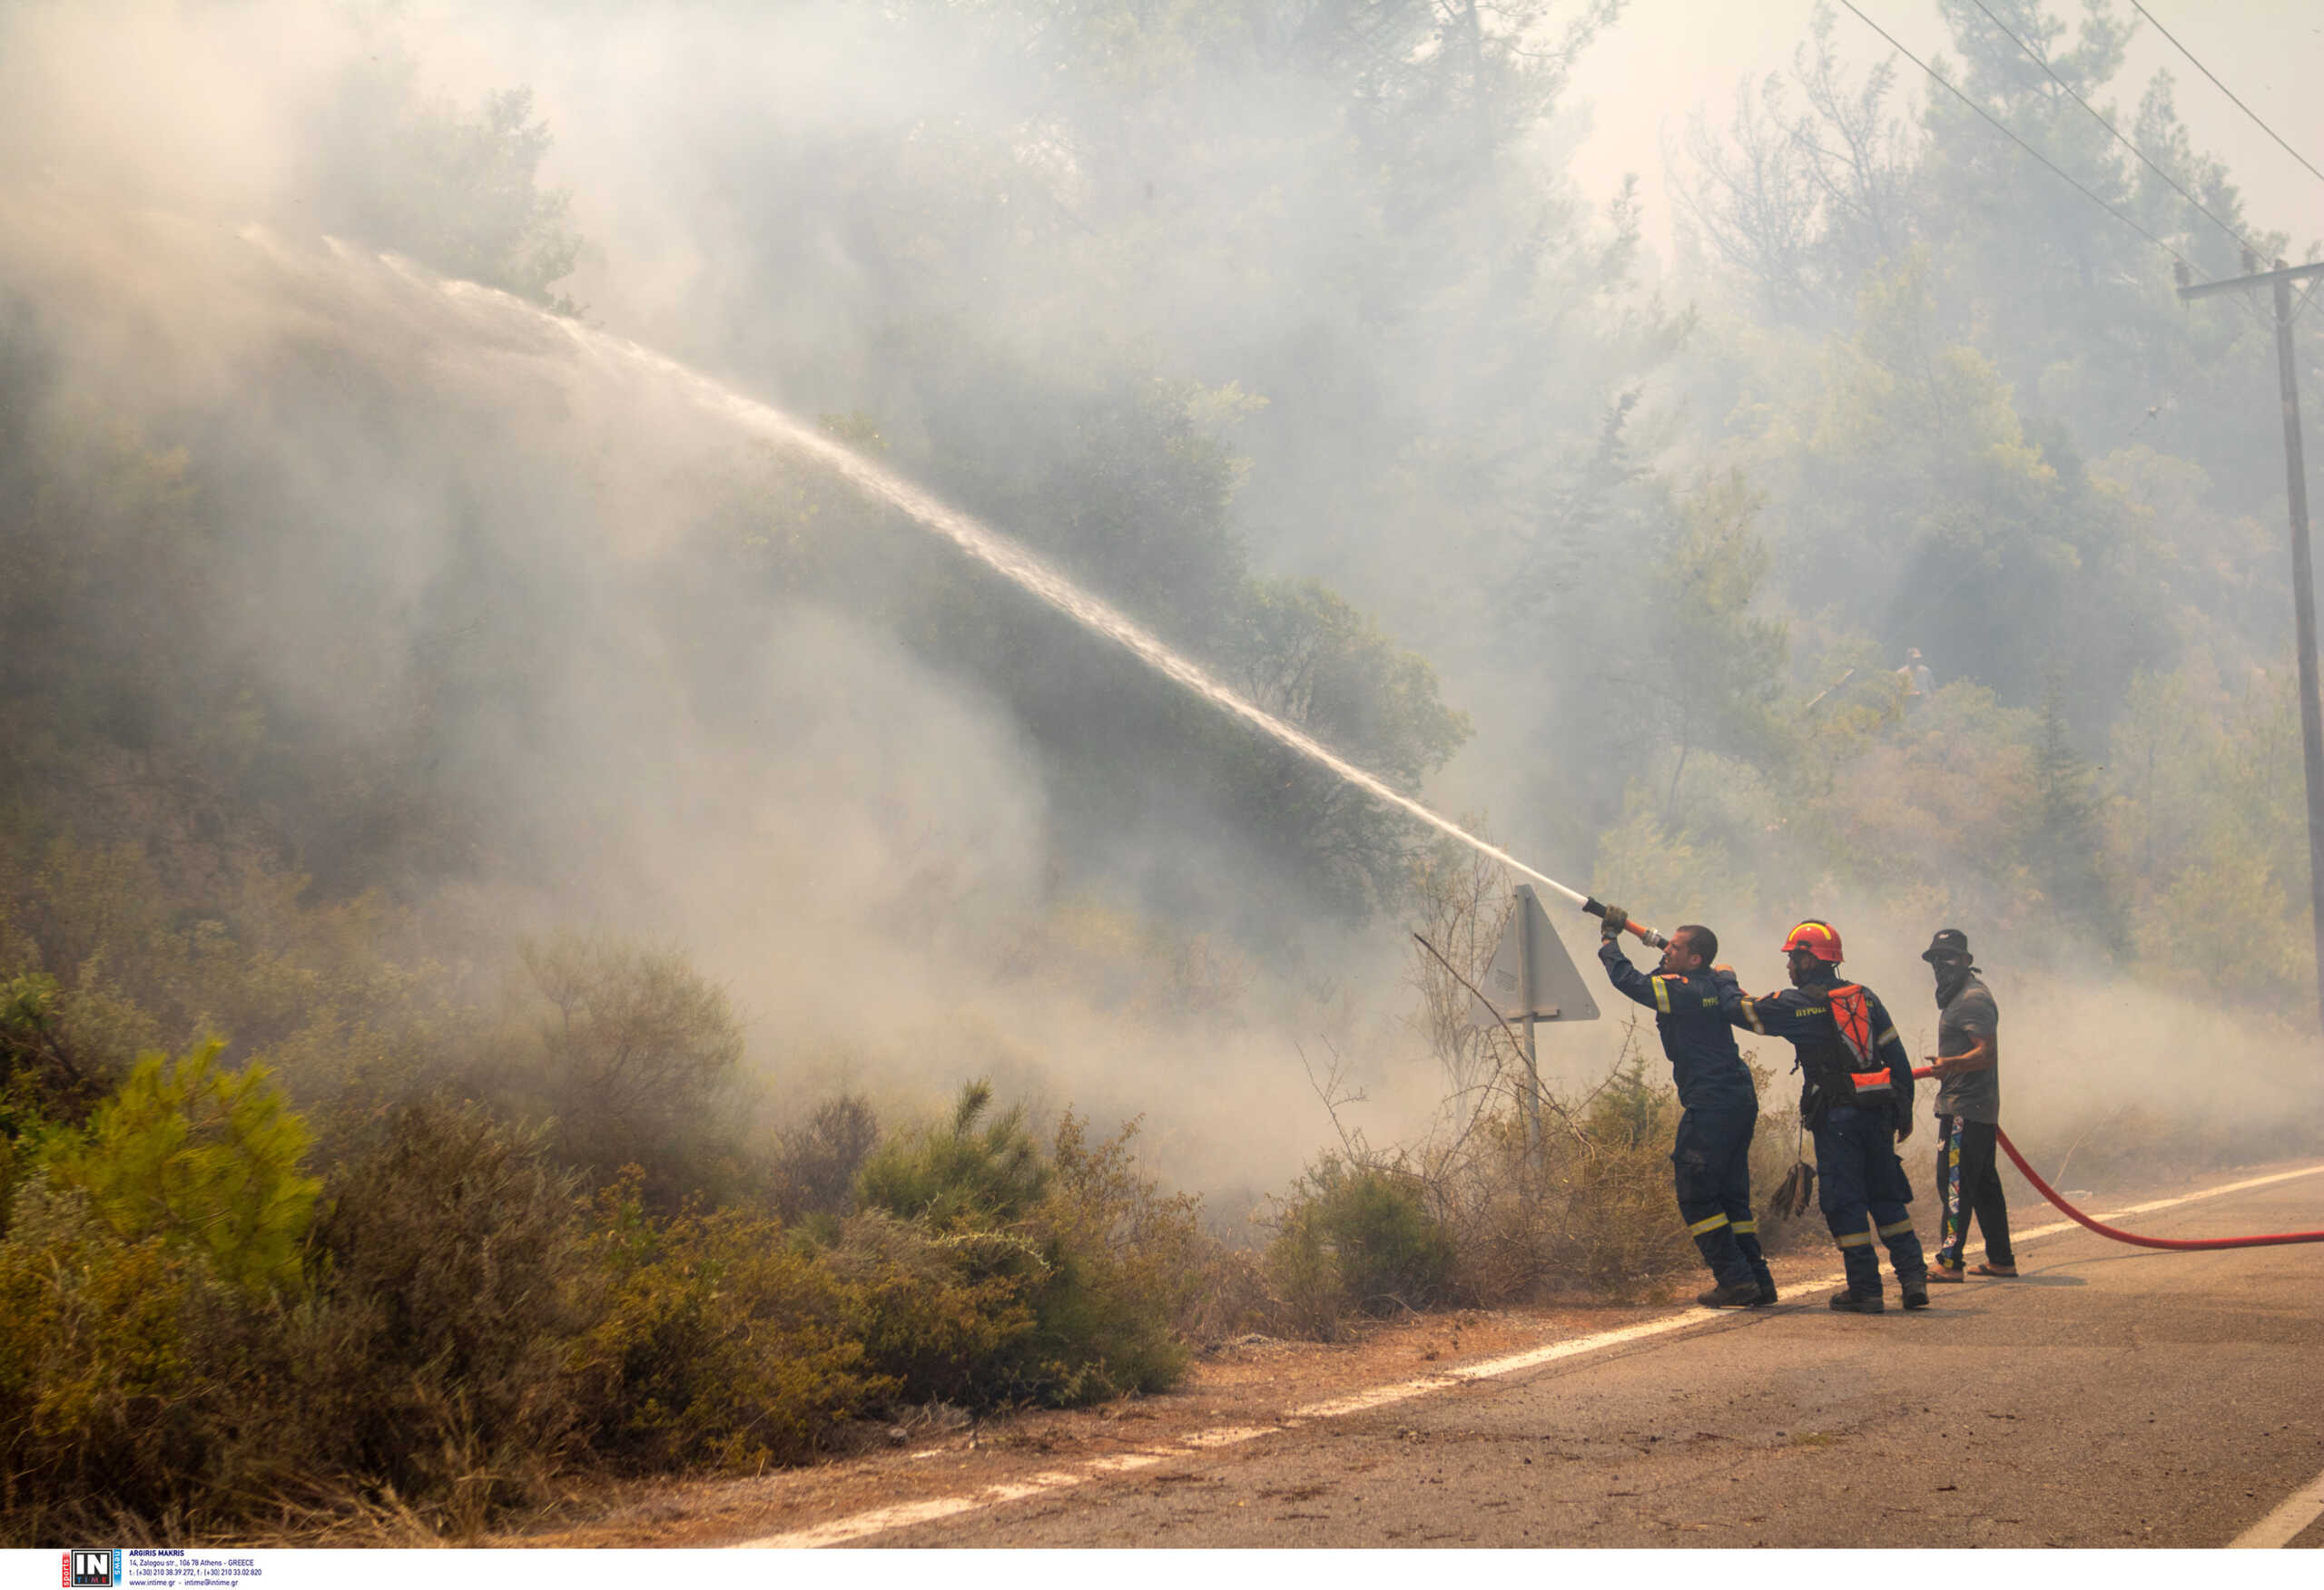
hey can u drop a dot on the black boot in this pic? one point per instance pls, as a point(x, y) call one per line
point(1915, 1290)
point(1741, 1294)
point(1848, 1302)
point(1766, 1282)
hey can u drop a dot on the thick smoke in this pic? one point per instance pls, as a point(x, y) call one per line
point(855, 844)
point(1365, 278)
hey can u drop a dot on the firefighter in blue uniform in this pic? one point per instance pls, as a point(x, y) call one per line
point(1856, 1097)
point(1718, 1106)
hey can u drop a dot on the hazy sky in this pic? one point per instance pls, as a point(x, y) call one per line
point(1666, 56)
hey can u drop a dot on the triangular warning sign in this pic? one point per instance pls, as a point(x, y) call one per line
point(1531, 975)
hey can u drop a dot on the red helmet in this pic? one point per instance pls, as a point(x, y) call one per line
point(1820, 939)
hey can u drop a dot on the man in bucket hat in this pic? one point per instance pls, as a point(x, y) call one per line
point(1968, 1112)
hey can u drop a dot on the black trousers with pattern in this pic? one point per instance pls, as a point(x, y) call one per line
point(1968, 1182)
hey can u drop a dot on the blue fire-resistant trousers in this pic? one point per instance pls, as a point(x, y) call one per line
point(1712, 1162)
point(1862, 1190)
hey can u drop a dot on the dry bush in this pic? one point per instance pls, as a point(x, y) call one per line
point(126, 1385)
point(942, 1315)
point(1621, 1226)
point(631, 1051)
point(1139, 1268)
point(459, 1279)
point(815, 1163)
point(1596, 1207)
point(1356, 1240)
point(721, 1343)
point(40, 1063)
point(156, 947)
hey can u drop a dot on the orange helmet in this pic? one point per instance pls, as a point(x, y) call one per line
point(1820, 939)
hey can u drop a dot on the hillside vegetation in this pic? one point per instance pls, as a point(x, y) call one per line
point(401, 710)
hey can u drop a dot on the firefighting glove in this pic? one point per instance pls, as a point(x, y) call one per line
point(1794, 1192)
point(1615, 922)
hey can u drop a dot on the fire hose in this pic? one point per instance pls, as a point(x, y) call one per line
point(2183, 1244)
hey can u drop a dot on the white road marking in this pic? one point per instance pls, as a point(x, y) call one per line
point(2301, 1509)
point(881, 1520)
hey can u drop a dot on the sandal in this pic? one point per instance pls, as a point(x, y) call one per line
point(2006, 1272)
point(1945, 1272)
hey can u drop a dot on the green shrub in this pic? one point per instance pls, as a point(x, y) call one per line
point(1356, 1239)
point(1050, 1265)
point(944, 1317)
point(720, 1341)
point(1140, 1270)
point(147, 1289)
point(199, 1157)
point(955, 1176)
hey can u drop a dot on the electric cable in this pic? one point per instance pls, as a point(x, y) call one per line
point(2207, 72)
point(2035, 57)
point(2060, 173)
point(2001, 127)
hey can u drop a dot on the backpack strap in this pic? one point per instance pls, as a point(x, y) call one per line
point(1852, 1016)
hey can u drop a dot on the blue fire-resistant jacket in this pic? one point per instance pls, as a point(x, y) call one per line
point(1804, 1016)
point(1689, 1013)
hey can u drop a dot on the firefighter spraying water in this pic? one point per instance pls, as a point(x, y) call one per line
point(1719, 1107)
point(1852, 1042)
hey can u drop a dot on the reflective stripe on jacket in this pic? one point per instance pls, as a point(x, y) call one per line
point(1690, 1012)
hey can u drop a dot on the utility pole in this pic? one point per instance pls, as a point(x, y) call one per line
point(2303, 573)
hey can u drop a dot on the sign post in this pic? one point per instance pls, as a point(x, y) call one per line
point(1531, 979)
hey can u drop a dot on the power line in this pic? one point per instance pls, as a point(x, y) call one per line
point(1941, 80)
point(1999, 126)
point(2109, 126)
point(2206, 71)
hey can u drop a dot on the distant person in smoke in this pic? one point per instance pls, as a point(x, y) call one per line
point(1919, 685)
point(1856, 1097)
point(1718, 1106)
point(1968, 1110)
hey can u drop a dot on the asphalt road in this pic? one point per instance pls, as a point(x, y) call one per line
point(2111, 1397)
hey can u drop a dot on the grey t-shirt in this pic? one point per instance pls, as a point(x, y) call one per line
point(1974, 1096)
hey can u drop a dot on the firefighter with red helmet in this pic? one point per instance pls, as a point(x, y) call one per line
point(1857, 1098)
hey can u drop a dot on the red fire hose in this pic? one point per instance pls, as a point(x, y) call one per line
point(2274, 1240)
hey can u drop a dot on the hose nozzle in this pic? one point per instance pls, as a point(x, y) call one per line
point(1647, 935)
